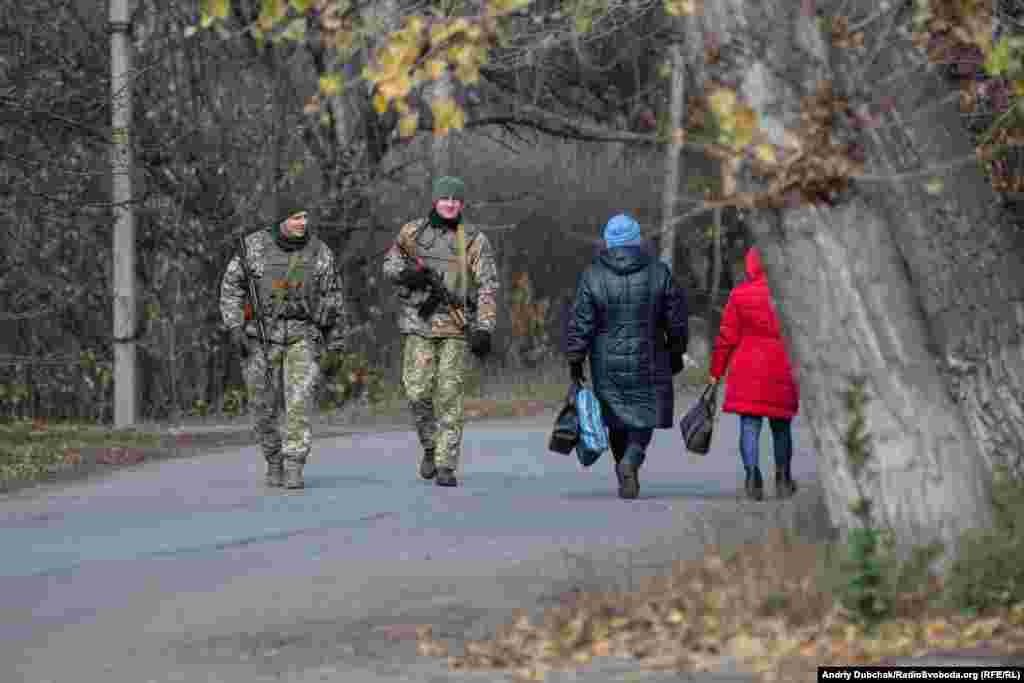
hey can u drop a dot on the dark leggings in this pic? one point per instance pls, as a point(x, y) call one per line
point(630, 445)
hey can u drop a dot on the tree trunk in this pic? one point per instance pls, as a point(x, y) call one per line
point(125, 324)
point(962, 250)
point(673, 151)
point(716, 278)
point(440, 145)
point(849, 310)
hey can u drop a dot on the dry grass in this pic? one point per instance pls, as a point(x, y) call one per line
point(32, 449)
point(762, 605)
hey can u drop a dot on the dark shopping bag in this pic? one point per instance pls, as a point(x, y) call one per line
point(699, 422)
point(593, 433)
point(566, 433)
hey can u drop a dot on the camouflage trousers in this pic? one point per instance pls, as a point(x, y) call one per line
point(433, 374)
point(294, 370)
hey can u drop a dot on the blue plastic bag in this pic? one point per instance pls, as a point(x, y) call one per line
point(593, 433)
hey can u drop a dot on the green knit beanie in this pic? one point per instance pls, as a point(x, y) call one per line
point(449, 186)
point(289, 207)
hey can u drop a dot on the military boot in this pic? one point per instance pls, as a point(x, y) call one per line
point(427, 466)
point(629, 480)
point(754, 484)
point(446, 477)
point(275, 472)
point(785, 487)
point(293, 475)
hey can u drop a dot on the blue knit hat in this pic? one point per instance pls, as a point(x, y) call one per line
point(622, 231)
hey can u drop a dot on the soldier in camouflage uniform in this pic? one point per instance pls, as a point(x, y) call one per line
point(303, 313)
point(434, 342)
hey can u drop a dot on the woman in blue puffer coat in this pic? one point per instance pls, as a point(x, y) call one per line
point(633, 327)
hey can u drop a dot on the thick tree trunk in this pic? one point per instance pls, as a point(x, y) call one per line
point(848, 308)
point(963, 252)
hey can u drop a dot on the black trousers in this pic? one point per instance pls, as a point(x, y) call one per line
point(629, 445)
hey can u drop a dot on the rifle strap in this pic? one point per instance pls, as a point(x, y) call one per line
point(416, 241)
point(424, 224)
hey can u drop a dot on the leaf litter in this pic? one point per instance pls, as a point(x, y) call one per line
point(762, 606)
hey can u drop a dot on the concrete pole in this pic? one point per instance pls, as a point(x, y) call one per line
point(125, 323)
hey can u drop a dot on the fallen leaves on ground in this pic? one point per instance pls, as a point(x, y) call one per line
point(119, 455)
point(403, 631)
point(759, 606)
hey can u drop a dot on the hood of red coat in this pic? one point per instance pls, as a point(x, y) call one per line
point(755, 271)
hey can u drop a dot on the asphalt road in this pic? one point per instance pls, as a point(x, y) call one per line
point(189, 570)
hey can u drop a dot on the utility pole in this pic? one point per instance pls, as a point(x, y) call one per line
point(125, 321)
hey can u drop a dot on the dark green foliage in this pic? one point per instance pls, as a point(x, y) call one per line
point(857, 441)
point(866, 592)
point(989, 568)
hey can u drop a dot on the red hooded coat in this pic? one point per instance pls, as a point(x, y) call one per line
point(761, 379)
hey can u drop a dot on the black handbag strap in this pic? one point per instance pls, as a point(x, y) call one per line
point(574, 388)
point(711, 402)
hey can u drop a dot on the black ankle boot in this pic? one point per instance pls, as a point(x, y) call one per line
point(754, 484)
point(427, 467)
point(446, 477)
point(629, 481)
point(785, 487)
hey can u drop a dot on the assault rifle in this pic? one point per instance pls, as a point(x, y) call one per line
point(438, 293)
point(252, 309)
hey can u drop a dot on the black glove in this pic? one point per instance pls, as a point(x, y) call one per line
point(240, 342)
point(480, 342)
point(414, 278)
point(675, 359)
point(576, 372)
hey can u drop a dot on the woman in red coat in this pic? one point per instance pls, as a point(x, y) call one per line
point(760, 380)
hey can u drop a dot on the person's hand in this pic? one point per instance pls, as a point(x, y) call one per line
point(712, 380)
point(480, 342)
point(414, 278)
point(240, 342)
point(576, 372)
point(676, 362)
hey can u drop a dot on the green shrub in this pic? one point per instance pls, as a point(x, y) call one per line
point(200, 408)
point(988, 570)
point(29, 449)
point(866, 592)
point(865, 588)
point(234, 401)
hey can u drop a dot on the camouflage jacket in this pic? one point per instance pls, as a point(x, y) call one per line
point(437, 248)
point(301, 297)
